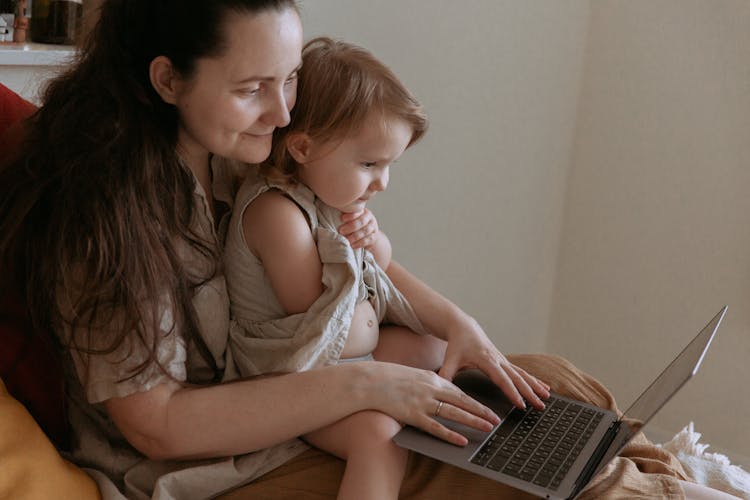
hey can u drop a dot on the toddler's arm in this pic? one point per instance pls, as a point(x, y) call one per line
point(278, 233)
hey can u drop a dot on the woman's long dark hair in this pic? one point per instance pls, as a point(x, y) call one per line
point(97, 205)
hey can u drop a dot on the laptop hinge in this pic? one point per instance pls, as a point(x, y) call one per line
point(596, 457)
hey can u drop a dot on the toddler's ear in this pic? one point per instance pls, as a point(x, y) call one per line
point(299, 146)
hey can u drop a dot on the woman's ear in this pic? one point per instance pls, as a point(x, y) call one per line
point(164, 79)
point(299, 146)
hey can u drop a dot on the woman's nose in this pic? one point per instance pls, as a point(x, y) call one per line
point(278, 111)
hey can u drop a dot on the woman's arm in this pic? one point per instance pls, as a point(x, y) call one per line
point(468, 345)
point(172, 422)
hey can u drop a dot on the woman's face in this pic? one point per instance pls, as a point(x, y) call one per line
point(231, 105)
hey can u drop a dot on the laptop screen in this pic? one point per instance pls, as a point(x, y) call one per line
point(679, 371)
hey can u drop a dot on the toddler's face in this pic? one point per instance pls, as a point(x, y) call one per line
point(346, 174)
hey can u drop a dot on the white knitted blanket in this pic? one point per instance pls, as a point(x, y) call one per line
point(710, 469)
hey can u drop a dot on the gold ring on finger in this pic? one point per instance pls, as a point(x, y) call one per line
point(439, 407)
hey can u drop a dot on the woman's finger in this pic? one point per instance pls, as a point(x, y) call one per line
point(506, 383)
point(540, 387)
point(427, 421)
point(523, 387)
point(434, 427)
point(457, 414)
point(464, 409)
point(449, 368)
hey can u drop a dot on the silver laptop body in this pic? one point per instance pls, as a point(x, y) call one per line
point(599, 435)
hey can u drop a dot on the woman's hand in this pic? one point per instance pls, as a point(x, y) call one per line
point(469, 347)
point(415, 397)
point(360, 228)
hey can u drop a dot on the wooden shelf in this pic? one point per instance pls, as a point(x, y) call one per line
point(35, 54)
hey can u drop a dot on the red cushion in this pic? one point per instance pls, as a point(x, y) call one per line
point(29, 364)
point(31, 370)
point(13, 108)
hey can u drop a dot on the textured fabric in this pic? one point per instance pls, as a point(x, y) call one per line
point(265, 339)
point(642, 471)
point(713, 470)
point(30, 466)
point(32, 371)
point(119, 469)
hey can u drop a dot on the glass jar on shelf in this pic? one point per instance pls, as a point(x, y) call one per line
point(7, 20)
point(56, 21)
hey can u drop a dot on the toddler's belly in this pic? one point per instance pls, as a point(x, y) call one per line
point(363, 333)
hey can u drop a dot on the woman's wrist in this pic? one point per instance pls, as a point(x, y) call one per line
point(361, 383)
point(460, 321)
point(455, 321)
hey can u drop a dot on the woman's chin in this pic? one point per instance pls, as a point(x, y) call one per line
point(253, 155)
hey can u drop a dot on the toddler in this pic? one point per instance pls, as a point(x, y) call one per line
point(301, 295)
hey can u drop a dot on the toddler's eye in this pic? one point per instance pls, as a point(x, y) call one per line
point(368, 164)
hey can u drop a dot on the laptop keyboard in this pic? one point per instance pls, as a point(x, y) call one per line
point(539, 446)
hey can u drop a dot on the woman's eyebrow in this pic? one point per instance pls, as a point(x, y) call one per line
point(266, 78)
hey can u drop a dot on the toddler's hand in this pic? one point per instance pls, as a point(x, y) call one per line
point(360, 228)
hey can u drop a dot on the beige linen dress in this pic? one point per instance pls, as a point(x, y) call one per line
point(264, 338)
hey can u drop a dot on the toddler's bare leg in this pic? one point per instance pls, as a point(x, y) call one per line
point(374, 464)
point(398, 344)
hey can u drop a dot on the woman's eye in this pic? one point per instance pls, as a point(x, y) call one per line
point(249, 92)
point(291, 79)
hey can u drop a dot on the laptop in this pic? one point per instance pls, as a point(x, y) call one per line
point(554, 453)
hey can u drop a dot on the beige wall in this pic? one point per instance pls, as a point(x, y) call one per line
point(650, 170)
point(655, 238)
point(475, 209)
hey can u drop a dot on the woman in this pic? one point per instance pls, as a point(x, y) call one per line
point(112, 220)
